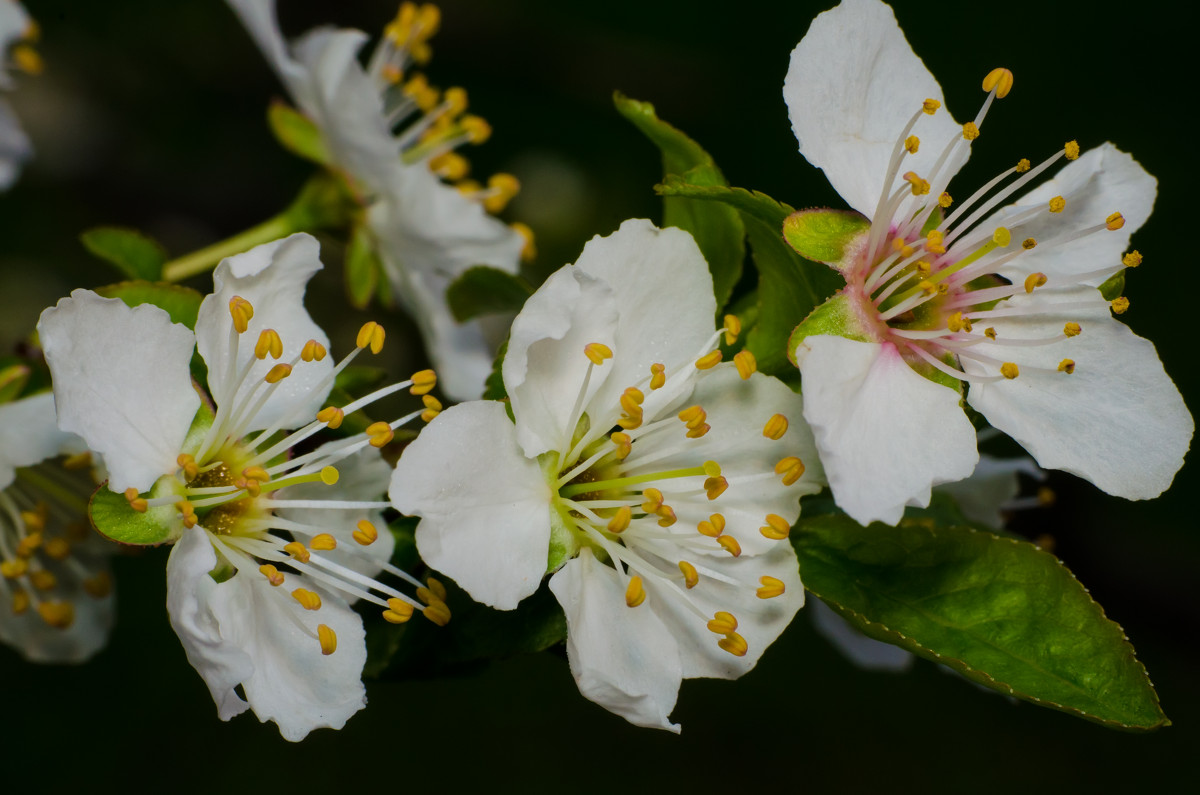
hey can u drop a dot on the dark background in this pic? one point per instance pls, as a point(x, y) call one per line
point(151, 114)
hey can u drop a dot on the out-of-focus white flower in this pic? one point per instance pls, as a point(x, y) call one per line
point(17, 34)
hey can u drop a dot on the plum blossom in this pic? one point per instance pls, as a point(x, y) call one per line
point(394, 137)
point(658, 482)
point(946, 296)
point(272, 539)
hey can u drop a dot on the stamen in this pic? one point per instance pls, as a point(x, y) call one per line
point(1057, 204)
point(709, 360)
point(423, 382)
point(723, 623)
point(1009, 370)
point(1114, 222)
point(137, 503)
point(690, 576)
point(1120, 305)
point(620, 522)
point(366, 534)
point(658, 373)
point(398, 611)
point(268, 343)
point(371, 335)
point(272, 574)
point(999, 80)
point(776, 427)
point(635, 593)
point(1072, 329)
point(327, 638)
point(733, 327)
point(1132, 259)
point(241, 311)
point(791, 468)
point(735, 644)
point(1066, 366)
point(777, 528)
point(1034, 280)
point(597, 352)
point(309, 600)
point(771, 587)
point(713, 527)
point(746, 364)
point(730, 544)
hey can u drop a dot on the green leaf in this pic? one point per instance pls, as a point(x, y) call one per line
point(718, 230)
point(493, 387)
point(181, 303)
point(296, 132)
point(1114, 286)
point(1000, 611)
point(363, 269)
point(13, 379)
point(484, 290)
point(824, 235)
point(133, 253)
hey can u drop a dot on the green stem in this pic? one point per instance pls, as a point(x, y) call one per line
point(205, 259)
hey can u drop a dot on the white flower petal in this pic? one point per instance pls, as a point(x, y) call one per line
point(852, 85)
point(362, 476)
point(29, 434)
point(624, 659)
point(1117, 421)
point(866, 653)
point(1102, 181)
point(247, 631)
point(886, 434)
point(272, 277)
point(15, 147)
point(545, 366)
point(983, 496)
point(96, 348)
point(484, 507)
point(260, 20)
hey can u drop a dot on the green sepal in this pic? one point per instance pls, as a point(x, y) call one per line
point(13, 379)
point(827, 236)
point(181, 303)
point(363, 269)
point(717, 229)
point(1113, 286)
point(133, 253)
point(998, 610)
point(296, 132)
point(484, 290)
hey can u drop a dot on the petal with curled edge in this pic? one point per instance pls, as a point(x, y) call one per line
point(29, 434)
point(121, 381)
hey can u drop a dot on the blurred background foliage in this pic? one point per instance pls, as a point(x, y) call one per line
point(152, 115)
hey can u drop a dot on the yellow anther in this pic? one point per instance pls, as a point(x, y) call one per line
point(57, 548)
point(693, 416)
point(433, 407)
point(309, 600)
point(398, 611)
point(12, 569)
point(1132, 259)
point(776, 528)
point(666, 516)
point(332, 416)
point(59, 615)
point(450, 165)
point(272, 574)
point(187, 511)
point(990, 333)
point(730, 544)
point(186, 463)
point(919, 186)
point(312, 351)
point(658, 376)
point(476, 128)
point(43, 580)
point(771, 587)
point(711, 468)
point(927, 286)
point(733, 327)
point(970, 131)
point(735, 644)
point(690, 576)
point(597, 352)
point(241, 311)
point(278, 373)
point(620, 521)
point(438, 613)
point(365, 534)
point(722, 623)
point(1071, 149)
point(999, 80)
point(392, 74)
point(1066, 366)
point(529, 250)
point(714, 487)
point(423, 382)
point(29, 544)
point(635, 593)
point(1057, 204)
point(27, 59)
point(503, 187)
point(1001, 237)
point(297, 551)
point(380, 433)
point(713, 527)
point(930, 106)
point(455, 99)
point(945, 200)
point(632, 399)
point(1009, 370)
point(424, 95)
point(746, 364)
point(1120, 305)
point(437, 588)
point(371, 336)
point(20, 602)
point(1072, 329)
point(922, 267)
point(137, 503)
point(269, 344)
point(426, 595)
point(1023, 165)
point(912, 143)
point(323, 542)
point(776, 427)
point(623, 443)
point(327, 638)
point(653, 501)
point(708, 360)
point(791, 468)
point(1033, 281)
point(98, 586)
point(78, 461)
point(1114, 222)
point(698, 431)
point(631, 420)
point(1028, 243)
point(956, 323)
